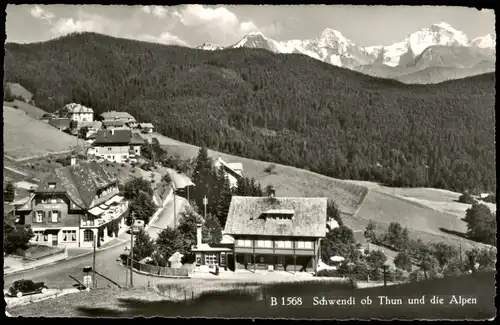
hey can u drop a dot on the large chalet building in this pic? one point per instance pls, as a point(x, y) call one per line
point(270, 233)
point(117, 145)
point(77, 113)
point(73, 205)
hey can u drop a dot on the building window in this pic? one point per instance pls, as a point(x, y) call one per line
point(109, 149)
point(88, 235)
point(304, 244)
point(283, 244)
point(44, 201)
point(45, 237)
point(69, 235)
point(39, 216)
point(245, 242)
point(265, 243)
point(52, 185)
point(53, 200)
point(38, 235)
point(210, 259)
point(55, 216)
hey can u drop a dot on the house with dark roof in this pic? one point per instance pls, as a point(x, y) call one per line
point(145, 127)
point(276, 233)
point(117, 145)
point(233, 171)
point(75, 205)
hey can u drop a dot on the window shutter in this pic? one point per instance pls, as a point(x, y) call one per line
point(58, 216)
point(34, 216)
point(48, 215)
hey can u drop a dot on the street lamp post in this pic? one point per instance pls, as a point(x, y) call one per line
point(132, 250)
point(175, 213)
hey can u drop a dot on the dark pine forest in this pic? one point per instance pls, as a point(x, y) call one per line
point(287, 109)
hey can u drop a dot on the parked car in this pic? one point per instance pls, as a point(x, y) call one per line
point(26, 287)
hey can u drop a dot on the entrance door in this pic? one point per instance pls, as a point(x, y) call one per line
point(54, 239)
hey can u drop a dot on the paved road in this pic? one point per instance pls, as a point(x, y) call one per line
point(166, 216)
point(56, 276)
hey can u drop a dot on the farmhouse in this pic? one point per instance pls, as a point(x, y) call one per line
point(117, 116)
point(233, 171)
point(276, 233)
point(62, 124)
point(77, 113)
point(74, 205)
point(114, 124)
point(146, 127)
point(117, 145)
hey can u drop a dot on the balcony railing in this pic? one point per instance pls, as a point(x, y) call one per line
point(107, 216)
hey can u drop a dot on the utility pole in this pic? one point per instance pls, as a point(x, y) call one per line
point(187, 187)
point(93, 263)
point(175, 213)
point(205, 202)
point(132, 252)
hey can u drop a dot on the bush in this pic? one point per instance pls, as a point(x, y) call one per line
point(490, 199)
point(328, 273)
point(466, 198)
point(270, 169)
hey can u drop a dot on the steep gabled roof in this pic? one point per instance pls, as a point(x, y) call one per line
point(112, 115)
point(80, 182)
point(125, 137)
point(229, 169)
point(146, 125)
point(308, 219)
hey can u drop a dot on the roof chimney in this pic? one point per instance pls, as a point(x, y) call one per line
point(73, 160)
point(198, 235)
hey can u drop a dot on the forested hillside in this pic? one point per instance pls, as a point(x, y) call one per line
point(288, 109)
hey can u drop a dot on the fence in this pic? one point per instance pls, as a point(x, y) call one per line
point(163, 271)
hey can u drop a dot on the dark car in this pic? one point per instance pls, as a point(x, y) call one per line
point(26, 287)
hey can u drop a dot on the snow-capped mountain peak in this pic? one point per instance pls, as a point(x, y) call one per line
point(210, 47)
point(485, 42)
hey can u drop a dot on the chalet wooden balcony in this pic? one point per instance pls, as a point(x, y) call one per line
point(104, 213)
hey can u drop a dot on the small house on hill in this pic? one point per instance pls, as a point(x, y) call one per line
point(117, 116)
point(62, 124)
point(146, 127)
point(113, 124)
point(276, 233)
point(117, 145)
point(233, 171)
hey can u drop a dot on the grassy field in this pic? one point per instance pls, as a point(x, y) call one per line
point(249, 299)
point(26, 137)
point(427, 212)
point(30, 110)
point(18, 90)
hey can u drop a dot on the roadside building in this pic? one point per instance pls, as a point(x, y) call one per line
point(146, 127)
point(117, 145)
point(114, 124)
point(207, 256)
point(233, 171)
point(76, 112)
point(117, 116)
point(276, 233)
point(62, 124)
point(74, 205)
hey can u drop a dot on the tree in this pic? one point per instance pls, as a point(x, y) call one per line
point(16, 237)
point(9, 193)
point(223, 199)
point(188, 224)
point(375, 259)
point(214, 229)
point(82, 133)
point(135, 186)
point(158, 153)
point(144, 246)
point(444, 253)
point(427, 262)
point(369, 233)
point(168, 242)
point(147, 150)
point(466, 198)
point(481, 224)
point(7, 94)
point(487, 258)
point(394, 234)
point(403, 261)
point(143, 206)
point(332, 212)
point(204, 178)
point(339, 242)
point(269, 189)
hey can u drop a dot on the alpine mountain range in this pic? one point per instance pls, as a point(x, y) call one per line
point(429, 55)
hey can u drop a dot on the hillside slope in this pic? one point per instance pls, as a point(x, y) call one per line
point(26, 137)
point(288, 109)
point(358, 202)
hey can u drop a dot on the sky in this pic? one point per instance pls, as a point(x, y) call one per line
point(192, 25)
